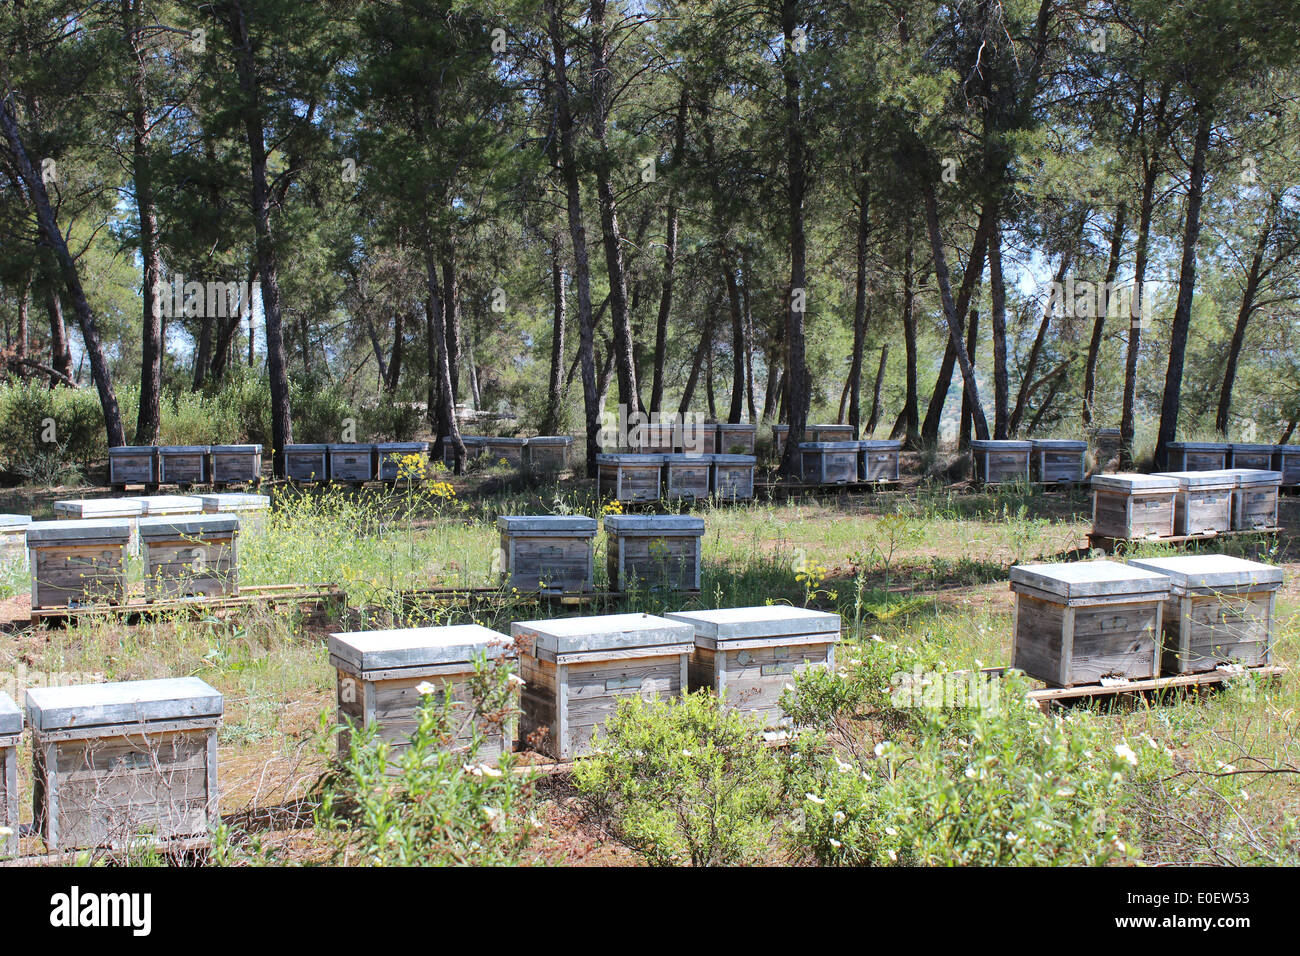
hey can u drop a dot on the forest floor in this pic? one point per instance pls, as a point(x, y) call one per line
point(923, 566)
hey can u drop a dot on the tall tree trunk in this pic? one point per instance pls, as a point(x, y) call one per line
point(1186, 284)
point(998, 317)
point(624, 361)
point(23, 331)
point(876, 390)
point(860, 316)
point(967, 409)
point(1103, 308)
point(974, 268)
point(770, 390)
point(910, 418)
point(796, 369)
point(1244, 312)
point(950, 307)
point(440, 371)
point(737, 409)
point(396, 354)
point(451, 317)
point(151, 343)
point(592, 404)
point(701, 350)
point(53, 237)
point(670, 264)
point(749, 336)
point(1137, 302)
point(268, 267)
point(554, 396)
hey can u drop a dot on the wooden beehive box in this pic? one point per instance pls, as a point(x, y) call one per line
point(76, 562)
point(1106, 442)
point(998, 461)
point(11, 730)
point(630, 477)
point(829, 462)
point(1057, 461)
point(509, 450)
point(733, 477)
point(308, 464)
point(132, 465)
point(829, 433)
point(1219, 611)
point(1255, 457)
point(1254, 502)
point(577, 669)
point(548, 453)
point(749, 654)
point(380, 674)
point(1127, 505)
point(1079, 622)
point(651, 438)
point(736, 439)
point(391, 453)
point(182, 465)
point(1203, 503)
point(653, 551)
point(190, 554)
point(1286, 461)
point(687, 476)
point(548, 553)
point(236, 464)
point(694, 437)
point(878, 459)
point(352, 463)
point(251, 510)
point(115, 763)
point(1197, 455)
point(474, 448)
point(13, 538)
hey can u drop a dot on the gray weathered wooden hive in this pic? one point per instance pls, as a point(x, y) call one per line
point(114, 763)
point(577, 669)
point(1204, 501)
point(630, 477)
point(1197, 455)
point(1057, 460)
point(748, 655)
point(1131, 505)
point(829, 462)
point(1219, 610)
point(653, 551)
point(190, 554)
point(77, 561)
point(733, 476)
point(550, 553)
point(380, 674)
point(878, 459)
point(391, 453)
point(307, 463)
point(1079, 622)
point(997, 460)
point(236, 464)
point(132, 465)
point(687, 476)
point(182, 464)
point(1254, 502)
point(11, 729)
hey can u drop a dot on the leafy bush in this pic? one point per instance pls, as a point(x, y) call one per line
point(27, 411)
point(319, 409)
point(685, 781)
point(442, 806)
point(995, 785)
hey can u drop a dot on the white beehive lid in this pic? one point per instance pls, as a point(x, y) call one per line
point(828, 446)
point(551, 440)
point(234, 501)
point(1215, 478)
point(11, 718)
point(126, 702)
point(76, 531)
point(1084, 579)
point(654, 524)
point(100, 508)
point(629, 458)
point(14, 522)
point(237, 449)
point(579, 525)
point(130, 450)
point(171, 527)
point(314, 448)
point(880, 444)
point(1209, 572)
point(999, 444)
point(366, 651)
point(1133, 481)
point(183, 449)
point(776, 620)
point(1256, 477)
point(733, 459)
point(604, 632)
point(1058, 444)
point(168, 504)
point(1199, 445)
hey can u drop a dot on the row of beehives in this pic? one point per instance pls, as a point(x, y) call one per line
point(113, 761)
point(1215, 456)
point(187, 542)
point(1085, 622)
point(184, 465)
point(642, 477)
point(1043, 460)
point(1184, 503)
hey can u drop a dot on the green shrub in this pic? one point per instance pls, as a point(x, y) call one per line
point(320, 411)
point(685, 781)
point(27, 412)
point(442, 806)
point(995, 785)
